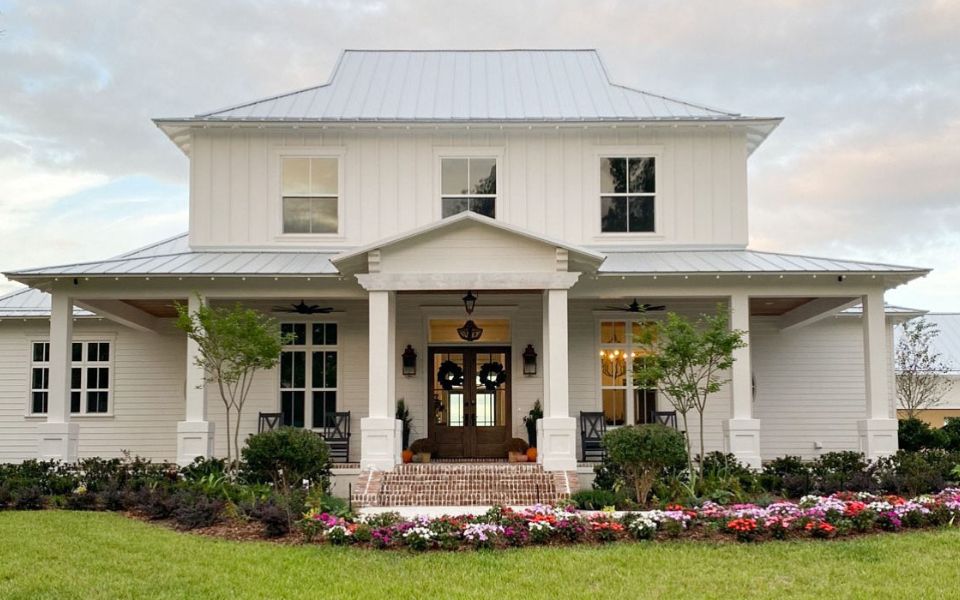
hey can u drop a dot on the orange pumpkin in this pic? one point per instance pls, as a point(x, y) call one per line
point(532, 454)
point(407, 456)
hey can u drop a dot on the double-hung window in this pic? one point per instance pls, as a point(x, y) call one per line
point(468, 184)
point(310, 190)
point(628, 190)
point(90, 377)
point(619, 351)
point(308, 375)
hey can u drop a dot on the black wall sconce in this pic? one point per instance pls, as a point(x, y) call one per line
point(409, 359)
point(529, 360)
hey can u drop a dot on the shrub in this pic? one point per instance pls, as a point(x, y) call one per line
point(156, 502)
point(82, 499)
point(286, 457)
point(593, 499)
point(835, 471)
point(779, 471)
point(914, 434)
point(28, 497)
point(274, 516)
point(204, 468)
point(423, 446)
point(642, 452)
point(196, 510)
point(951, 435)
point(607, 475)
point(517, 445)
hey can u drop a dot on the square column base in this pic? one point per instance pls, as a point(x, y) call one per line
point(194, 438)
point(380, 441)
point(878, 437)
point(557, 439)
point(741, 437)
point(58, 441)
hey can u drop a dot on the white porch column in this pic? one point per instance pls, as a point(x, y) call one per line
point(380, 431)
point(878, 432)
point(556, 431)
point(741, 433)
point(57, 436)
point(195, 434)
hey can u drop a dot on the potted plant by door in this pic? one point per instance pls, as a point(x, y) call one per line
point(516, 449)
point(422, 449)
point(530, 422)
point(403, 415)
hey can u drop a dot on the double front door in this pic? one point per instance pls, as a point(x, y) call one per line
point(469, 399)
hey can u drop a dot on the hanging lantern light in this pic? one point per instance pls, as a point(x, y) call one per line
point(469, 332)
point(469, 302)
point(409, 361)
point(529, 360)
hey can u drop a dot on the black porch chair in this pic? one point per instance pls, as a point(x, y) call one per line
point(665, 417)
point(336, 433)
point(592, 427)
point(269, 421)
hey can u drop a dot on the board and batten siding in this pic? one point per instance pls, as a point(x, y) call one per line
point(147, 400)
point(548, 182)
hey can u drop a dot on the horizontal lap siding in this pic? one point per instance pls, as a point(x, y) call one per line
point(352, 369)
point(584, 367)
point(810, 386)
point(147, 401)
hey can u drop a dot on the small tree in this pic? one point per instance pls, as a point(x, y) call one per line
point(688, 361)
point(642, 452)
point(920, 371)
point(233, 344)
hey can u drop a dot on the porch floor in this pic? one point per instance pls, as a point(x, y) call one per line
point(460, 484)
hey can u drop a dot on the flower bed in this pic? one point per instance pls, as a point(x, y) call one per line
point(822, 517)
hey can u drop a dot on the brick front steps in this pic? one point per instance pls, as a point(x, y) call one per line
point(463, 484)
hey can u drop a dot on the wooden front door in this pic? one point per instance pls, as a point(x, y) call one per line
point(467, 418)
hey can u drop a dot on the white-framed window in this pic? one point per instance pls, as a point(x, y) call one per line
point(621, 400)
point(628, 194)
point(468, 183)
point(91, 376)
point(309, 374)
point(310, 194)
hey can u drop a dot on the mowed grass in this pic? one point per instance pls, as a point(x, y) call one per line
point(60, 554)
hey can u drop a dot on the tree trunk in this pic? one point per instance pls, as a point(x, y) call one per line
point(236, 435)
point(702, 453)
point(686, 438)
point(229, 447)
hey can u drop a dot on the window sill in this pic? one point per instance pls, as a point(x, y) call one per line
point(95, 416)
point(309, 237)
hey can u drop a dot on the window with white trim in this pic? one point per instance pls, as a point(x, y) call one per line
point(618, 352)
point(628, 190)
point(90, 377)
point(308, 375)
point(468, 184)
point(310, 190)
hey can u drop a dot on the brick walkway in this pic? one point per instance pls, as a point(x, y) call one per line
point(463, 484)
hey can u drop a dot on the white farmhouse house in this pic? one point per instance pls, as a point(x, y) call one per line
point(411, 179)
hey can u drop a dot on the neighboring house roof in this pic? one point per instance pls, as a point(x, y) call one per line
point(889, 309)
point(947, 341)
point(738, 261)
point(499, 86)
point(29, 303)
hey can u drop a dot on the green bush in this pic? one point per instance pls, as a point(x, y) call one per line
point(593, 499)
point(951, 435)
point(643, 452)
point(286, 457)
point(914, 434)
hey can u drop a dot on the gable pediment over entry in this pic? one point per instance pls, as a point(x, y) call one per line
point(464, 245)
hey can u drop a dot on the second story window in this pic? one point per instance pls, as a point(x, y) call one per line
point(628, 189)
point(468, 184)
point(310, 189)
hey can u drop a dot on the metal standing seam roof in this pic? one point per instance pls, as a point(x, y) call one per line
point(469, 85)
point(29, 302)
point(737, 261)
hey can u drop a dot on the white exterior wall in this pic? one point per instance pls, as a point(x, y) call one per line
point(147, 399)
point(548, 182)
point(810, 386)
point(584, 367)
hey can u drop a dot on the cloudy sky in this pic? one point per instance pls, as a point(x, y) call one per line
point(866, 164)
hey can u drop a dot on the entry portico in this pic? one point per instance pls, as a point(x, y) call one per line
point(468, 252)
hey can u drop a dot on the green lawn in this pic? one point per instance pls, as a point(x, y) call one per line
point(100, 555)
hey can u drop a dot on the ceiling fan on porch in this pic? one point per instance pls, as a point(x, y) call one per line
point(636, 307)
point(304, 309)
